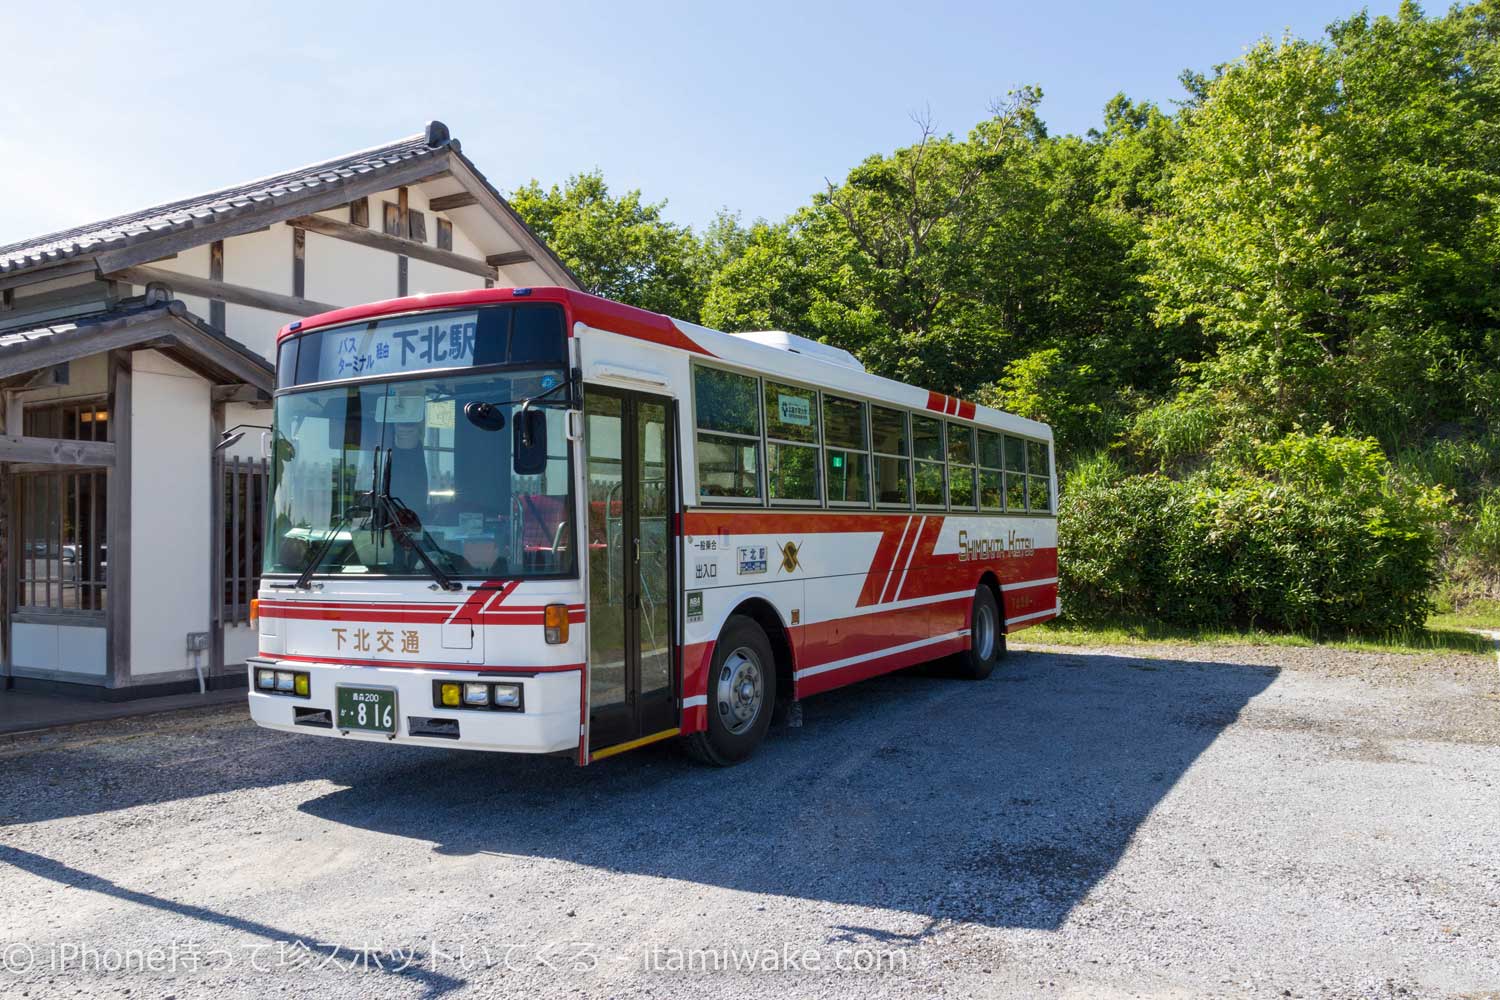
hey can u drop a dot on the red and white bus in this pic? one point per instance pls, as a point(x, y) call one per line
point(534, 520)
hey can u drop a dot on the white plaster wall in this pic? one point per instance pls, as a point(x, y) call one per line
point(347, 274)
point(423, 278)
point(192, 262)
point(170, 513)
point(255, 328)
point(87, 377)
point(69, 649)
point(261, 260)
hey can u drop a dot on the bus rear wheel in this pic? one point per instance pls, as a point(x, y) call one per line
point(986, 637)
point(741, 695)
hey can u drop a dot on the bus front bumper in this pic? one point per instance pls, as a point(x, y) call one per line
point(548, 722)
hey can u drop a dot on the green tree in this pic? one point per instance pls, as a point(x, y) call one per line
point(619, 247)
point(1331, 225)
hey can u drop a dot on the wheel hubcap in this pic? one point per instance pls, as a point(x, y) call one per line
point(984, 632)
point(740, 690)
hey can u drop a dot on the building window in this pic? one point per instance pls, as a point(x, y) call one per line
point(242, 523)
point(75, 420)
point(444, 234)
point(391, 219)
point(62, 563)
point(416, 226)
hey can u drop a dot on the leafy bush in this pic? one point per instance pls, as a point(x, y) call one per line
point(1313, 535)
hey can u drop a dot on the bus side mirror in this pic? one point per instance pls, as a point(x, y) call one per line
point(529, 444)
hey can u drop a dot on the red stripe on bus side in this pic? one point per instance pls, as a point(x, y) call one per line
point(340, 661)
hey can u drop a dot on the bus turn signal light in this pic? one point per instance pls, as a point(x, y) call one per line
point(450, 695)
point(254, 610)
point(555, 623)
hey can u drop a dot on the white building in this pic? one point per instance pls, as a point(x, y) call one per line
point(129, 549)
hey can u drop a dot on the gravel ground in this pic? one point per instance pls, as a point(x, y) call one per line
point(1137, 821)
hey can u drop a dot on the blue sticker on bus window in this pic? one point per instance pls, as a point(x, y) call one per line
point(549, 382)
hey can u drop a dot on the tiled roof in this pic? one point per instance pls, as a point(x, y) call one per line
point(80, 334)
point(187, 213)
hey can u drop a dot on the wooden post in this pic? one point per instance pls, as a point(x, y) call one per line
point(216, 273)
point(117, 533)
point(299, 263)
point(403, 282)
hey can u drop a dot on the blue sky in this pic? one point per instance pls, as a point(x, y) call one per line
point(747, 106)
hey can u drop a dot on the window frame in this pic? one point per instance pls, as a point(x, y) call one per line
point(972, 467)
point(846, 451)
point(759, 440)
point(909, 414)
point(24, 579)
point(815, 445)
point(911, 493)
point(941, 463)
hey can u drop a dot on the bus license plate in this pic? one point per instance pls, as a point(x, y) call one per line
point(373, 709)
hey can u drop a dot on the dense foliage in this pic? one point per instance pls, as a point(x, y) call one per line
point(1314, 535)
point(1310, 238)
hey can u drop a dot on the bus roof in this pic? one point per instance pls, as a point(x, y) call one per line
point(760, 353)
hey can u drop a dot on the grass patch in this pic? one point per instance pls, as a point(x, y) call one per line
point(1475, 614)
point(1437, 637)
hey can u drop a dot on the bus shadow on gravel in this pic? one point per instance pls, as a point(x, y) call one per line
point(1001, 802)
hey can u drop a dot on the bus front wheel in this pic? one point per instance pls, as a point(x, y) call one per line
point(741, 695)
point(986, 637)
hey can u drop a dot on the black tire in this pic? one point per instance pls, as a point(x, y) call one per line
point(742, 656)
point(986, 637)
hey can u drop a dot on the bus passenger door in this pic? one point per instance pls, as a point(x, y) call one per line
point(628, 444)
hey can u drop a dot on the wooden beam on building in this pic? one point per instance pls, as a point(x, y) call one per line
point(32, 276)
point(55, 451)
point(393, 244)
point(448, 202)
point(216, 273)
point(238, 394)
point(241, 295)
point(508, 258)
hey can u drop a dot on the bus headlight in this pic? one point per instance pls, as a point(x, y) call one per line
point(555, 624)
point(265, 679)
point(476, 694)
point(285, 680)
point(508, 695)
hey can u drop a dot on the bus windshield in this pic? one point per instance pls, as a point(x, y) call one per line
point(347, 457)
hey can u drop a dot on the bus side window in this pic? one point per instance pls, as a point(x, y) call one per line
point(892, 457)
point(726, 414)
point(1015, 473)
point(1039, 496)
point(927, 441)
point(991, 471)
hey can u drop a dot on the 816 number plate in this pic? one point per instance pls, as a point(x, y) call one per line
point(372, 709)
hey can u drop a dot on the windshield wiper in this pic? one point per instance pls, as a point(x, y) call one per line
point(393, 509)
point(304, 580)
